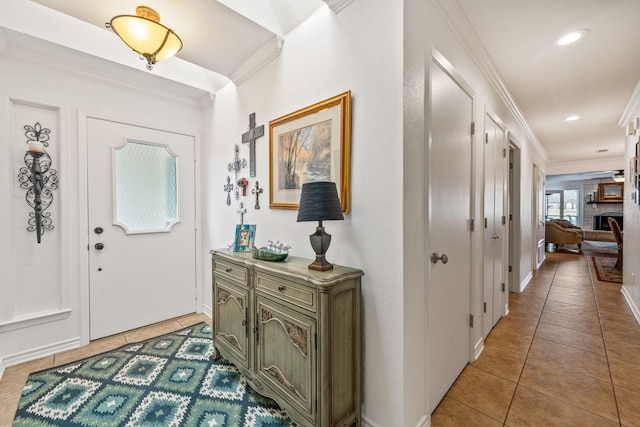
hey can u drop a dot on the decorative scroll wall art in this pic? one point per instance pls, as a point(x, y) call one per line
point(38, 179)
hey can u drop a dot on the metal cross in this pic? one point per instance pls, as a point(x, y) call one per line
point(227, 188)
point(241, 210)
point(257, 191)
point(250, 137)
point(235, 166)
point(243, 182)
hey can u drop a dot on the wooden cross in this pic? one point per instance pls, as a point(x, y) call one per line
point(250, 137)
point(241, 210)
point(257, 190)
point(243, 182)
point(227, 188)
point(236, 164)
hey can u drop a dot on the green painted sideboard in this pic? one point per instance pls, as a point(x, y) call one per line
point(294, 333)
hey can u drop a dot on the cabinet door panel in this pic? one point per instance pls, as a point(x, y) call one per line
point(230, 321)
point(286, 354)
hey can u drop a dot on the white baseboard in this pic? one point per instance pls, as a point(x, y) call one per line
point(207, 310)
point(1, 368)
point(478, 348)
point(631, 303)
point(43, 351)
point(425, 421)
point(526, 282)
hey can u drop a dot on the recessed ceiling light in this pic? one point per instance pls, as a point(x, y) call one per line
point(572, 37)
point(572, 118)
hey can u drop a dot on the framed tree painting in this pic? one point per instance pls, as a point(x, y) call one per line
point(312, 144)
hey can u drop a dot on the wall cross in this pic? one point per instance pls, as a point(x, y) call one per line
point(257, 191)
point(235, 166)
point(250, 137)
point(241, 210)
point(227, 188)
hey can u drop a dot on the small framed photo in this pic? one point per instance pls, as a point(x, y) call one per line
point(245, 234)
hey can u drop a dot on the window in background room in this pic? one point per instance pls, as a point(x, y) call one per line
point(563, 204)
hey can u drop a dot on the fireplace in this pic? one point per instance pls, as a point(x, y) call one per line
point(600, 222)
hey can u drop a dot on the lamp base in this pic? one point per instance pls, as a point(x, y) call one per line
point(320, 264)
point(320, 241)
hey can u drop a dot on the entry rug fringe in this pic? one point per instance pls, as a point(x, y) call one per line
point(170, 380)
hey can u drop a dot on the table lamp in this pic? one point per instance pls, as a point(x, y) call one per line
point(319, 202)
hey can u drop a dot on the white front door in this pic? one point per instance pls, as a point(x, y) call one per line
point(449, 293)
point(142, 249)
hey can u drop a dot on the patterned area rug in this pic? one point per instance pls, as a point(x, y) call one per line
point(171, 380)
point(606, 269)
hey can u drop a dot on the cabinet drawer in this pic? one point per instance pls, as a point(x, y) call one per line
point(293, 293)
point(232, 271)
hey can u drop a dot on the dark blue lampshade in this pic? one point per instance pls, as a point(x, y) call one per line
point(319, 202)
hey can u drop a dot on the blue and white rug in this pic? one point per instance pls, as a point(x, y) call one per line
point(170, 380)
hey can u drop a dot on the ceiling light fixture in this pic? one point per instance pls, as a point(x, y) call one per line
point(572, 118)
point(572, 37)
point(144, 34)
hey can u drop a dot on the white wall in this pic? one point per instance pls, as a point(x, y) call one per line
point(44, 287)
point(359, 49)
point(631, 271)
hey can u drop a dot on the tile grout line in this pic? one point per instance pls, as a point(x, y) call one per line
point(604, 342)
point(504, 423)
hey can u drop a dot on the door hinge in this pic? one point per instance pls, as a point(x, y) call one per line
point(486, 138)
point(471, 320)
point(471, 224)
point(485, 307)
point(510, 165)
point(502, 286)
point(510, 269)
point(473, 128)
point(504, 153)
point(485, 223)
point(504, 220)
point(510, 217)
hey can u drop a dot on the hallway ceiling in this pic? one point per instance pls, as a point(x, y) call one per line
point(594, 78)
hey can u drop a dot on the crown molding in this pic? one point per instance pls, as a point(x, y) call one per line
point(337, 5)
point(632, 106)
point(459, 24)
point(257, 61)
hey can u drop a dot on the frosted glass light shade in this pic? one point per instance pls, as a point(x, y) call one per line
point(144, 34)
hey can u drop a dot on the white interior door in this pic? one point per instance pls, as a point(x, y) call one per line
point(141, 226)
point(449, 293)
point(494, 224)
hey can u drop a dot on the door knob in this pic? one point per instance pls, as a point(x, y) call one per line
point(99, 246)
point(435, 257)
point(98, 230)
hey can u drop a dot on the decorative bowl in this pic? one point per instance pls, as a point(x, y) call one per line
point(266, 254)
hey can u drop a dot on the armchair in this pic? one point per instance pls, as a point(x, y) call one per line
point(554, 233)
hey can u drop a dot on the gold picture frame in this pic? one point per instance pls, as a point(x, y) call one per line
point(311, 144)
point(611, 192)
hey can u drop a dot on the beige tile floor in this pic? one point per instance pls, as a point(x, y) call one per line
point(568, 354)
point(15, 376)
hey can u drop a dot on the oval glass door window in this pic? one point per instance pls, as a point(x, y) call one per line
point(145, 187)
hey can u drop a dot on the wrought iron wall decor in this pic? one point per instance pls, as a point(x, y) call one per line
point(38, 178)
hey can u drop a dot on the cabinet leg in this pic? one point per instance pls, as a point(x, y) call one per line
point(216, 354)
